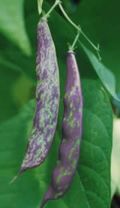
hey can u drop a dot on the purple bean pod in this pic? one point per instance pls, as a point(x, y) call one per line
point(47, 99)
point(71, 132)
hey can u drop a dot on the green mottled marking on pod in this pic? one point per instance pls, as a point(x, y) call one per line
point(70, 120)
point(77, 143)
point(58, 194)
point(63, 173)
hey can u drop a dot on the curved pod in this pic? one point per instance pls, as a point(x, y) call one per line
point(47, 99)
point(72, 131)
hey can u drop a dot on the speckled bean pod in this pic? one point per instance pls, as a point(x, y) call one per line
point(72, 130)
point(47, 99)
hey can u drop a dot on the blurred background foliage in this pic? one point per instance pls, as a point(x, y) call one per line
point(18, 22)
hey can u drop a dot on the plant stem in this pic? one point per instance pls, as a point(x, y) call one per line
point(72, 47)
point(39, 6)
point(78, 28)
point(57, 2)
point(98, 54)
point(91, 43)
point(67, 17)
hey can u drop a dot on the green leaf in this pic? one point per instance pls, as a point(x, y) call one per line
point(28, 189)
point(7, 106)
point(95, 159)
point(93, 175)
point(12, 24)
point(115, 166)
point(105, 75)
point(25, 191)
point(15, 89)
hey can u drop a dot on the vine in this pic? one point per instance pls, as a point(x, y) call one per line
point(77, 27)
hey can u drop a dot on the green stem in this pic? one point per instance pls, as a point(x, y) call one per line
point(98, 54)
point(72, 47)
point(39, 6)
point(52, 8)
point(91, 43)
point(67, 17)
point(78, 28)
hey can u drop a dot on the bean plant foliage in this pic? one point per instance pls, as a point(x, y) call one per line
point(91, 186)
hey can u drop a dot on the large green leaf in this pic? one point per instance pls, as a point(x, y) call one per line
point(12, 23)
point(7, 106)
point(24, 192)
point(93, 175)
point(105, 75)
point(29, 188)
point(95, 162)
point(15, 89)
